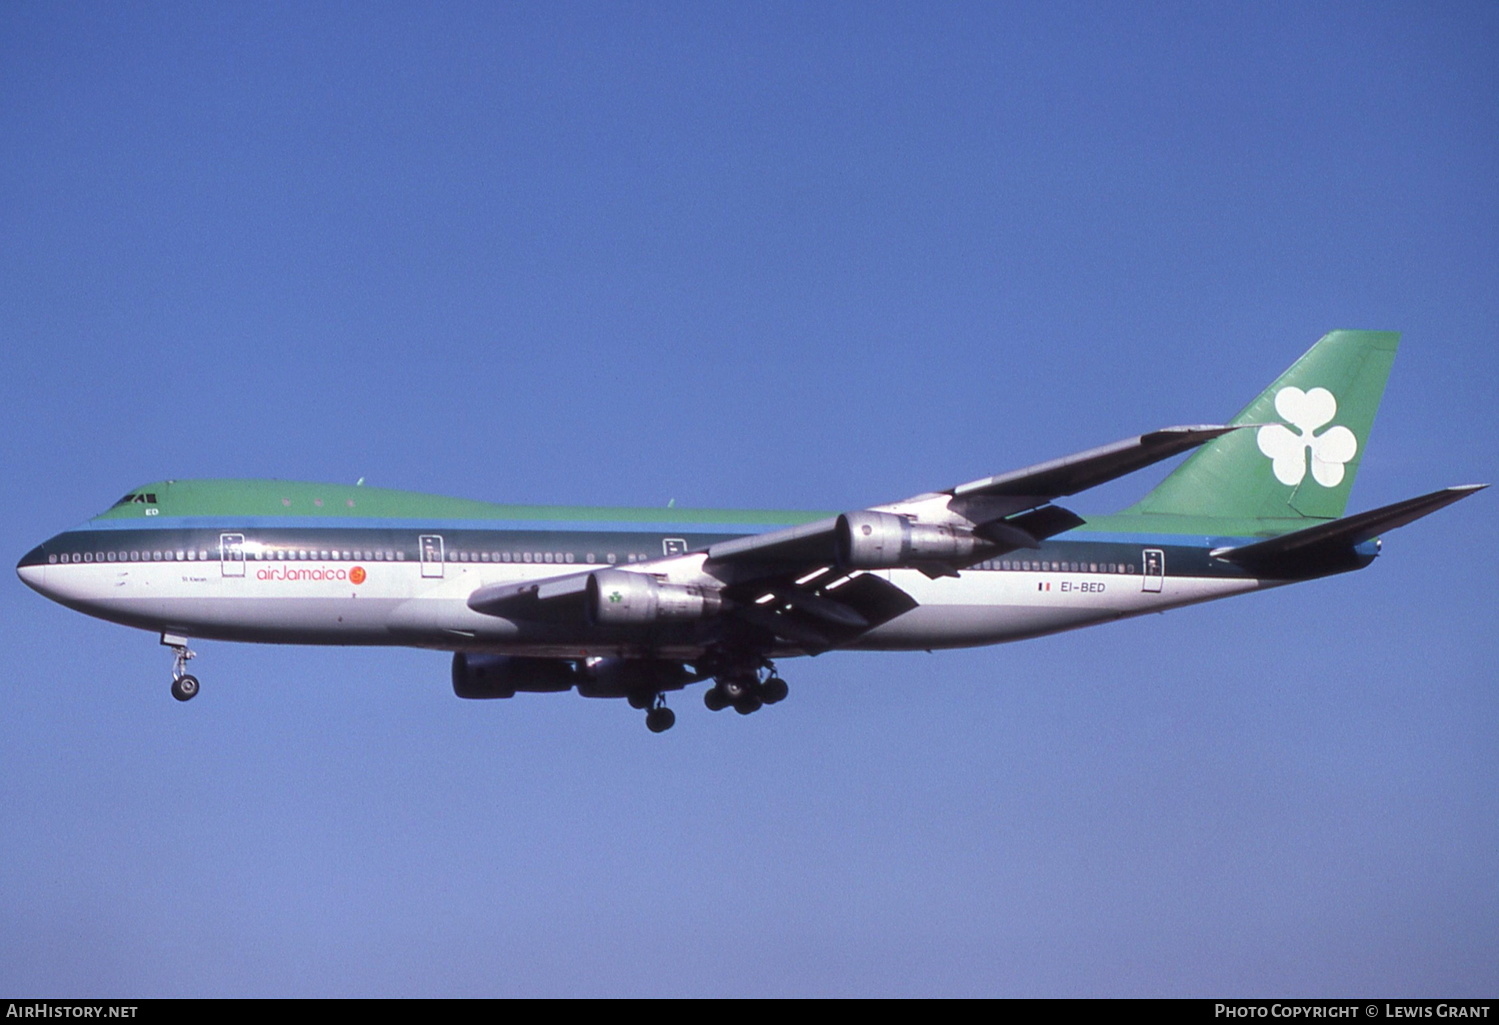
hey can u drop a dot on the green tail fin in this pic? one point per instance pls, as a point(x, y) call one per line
point(1302, 463)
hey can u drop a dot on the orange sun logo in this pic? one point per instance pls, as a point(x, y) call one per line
point(357, 574)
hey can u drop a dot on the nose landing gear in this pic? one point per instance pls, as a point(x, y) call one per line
point(184, 684)
point(659, 718)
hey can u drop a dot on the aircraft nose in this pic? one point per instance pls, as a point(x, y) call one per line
point(32, 569)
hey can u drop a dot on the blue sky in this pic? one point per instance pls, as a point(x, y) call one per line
point(748, 255)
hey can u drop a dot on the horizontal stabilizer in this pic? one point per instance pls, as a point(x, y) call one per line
point(1308, 550)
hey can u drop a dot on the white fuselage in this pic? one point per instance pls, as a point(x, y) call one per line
point(366, 602)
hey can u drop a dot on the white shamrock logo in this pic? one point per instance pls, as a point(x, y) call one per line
point(1306, 411)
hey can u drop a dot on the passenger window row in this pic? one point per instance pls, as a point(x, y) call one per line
point(1047, 566)
point(264, 553)
point(258, 553)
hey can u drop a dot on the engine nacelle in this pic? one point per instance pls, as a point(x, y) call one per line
point(877, 540)
point(620, 598)
point(622, 677)
point(500, 676)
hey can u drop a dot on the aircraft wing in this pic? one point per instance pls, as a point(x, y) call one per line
point(1071, 474)
point(988, 507)
point(810, 585)
point(814, 614)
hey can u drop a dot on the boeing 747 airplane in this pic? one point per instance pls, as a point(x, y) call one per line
point(638, 603)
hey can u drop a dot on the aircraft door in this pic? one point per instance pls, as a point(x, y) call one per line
point(431, 549)
point(232, 555)
point(1155, 569)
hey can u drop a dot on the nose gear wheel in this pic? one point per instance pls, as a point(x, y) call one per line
point(660, 718)
point(184, 685)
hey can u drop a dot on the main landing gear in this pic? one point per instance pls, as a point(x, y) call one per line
point(184, 684)
point(746, 689)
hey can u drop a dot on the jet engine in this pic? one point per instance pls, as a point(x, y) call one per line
point(876, 540)
point(623, 677)
point(500, 676)
point(620, 598)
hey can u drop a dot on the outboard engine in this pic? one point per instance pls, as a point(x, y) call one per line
point(877, 540)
